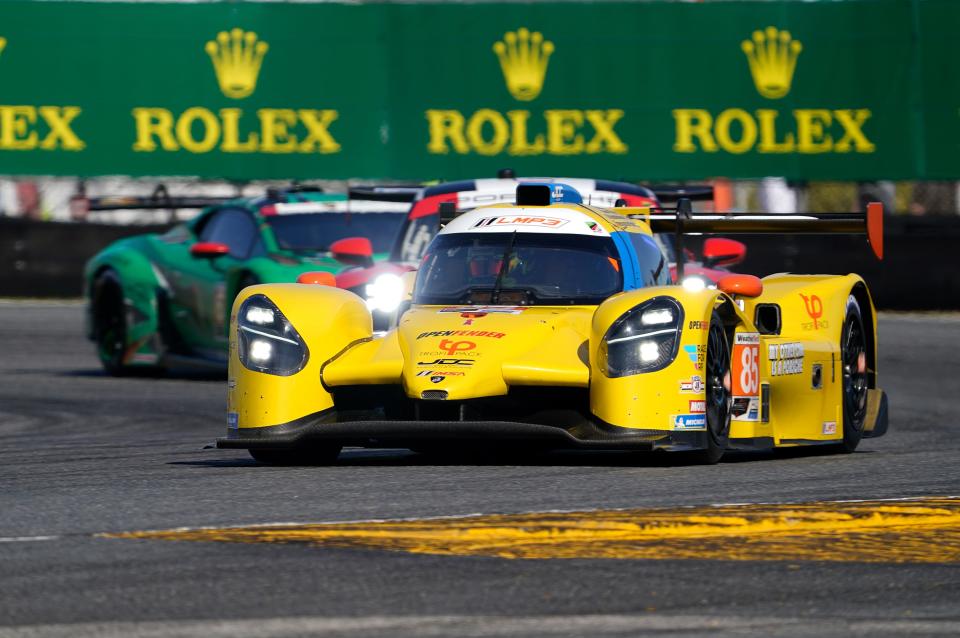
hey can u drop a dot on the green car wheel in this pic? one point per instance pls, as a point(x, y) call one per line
point(109, 323)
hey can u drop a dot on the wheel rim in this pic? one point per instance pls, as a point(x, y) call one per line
point(718, 393)
point(853, 353)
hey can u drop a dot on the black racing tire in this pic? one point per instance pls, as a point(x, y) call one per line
point(109, 323)
point(247, 279)
point(718, 393)
point(313, 455)
point(853, 370)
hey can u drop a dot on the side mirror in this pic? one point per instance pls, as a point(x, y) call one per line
point(318, 278)
point(741, 285)
point(209, 249)
point(409, 280)
point(720, 251)
point(353, 251)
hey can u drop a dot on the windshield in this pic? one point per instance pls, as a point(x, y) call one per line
point(518, 269)
point(412, 241)
point(314, 232)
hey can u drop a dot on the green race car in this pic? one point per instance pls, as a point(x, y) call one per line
point(160, 300)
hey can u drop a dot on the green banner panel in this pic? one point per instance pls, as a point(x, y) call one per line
point(858, 89)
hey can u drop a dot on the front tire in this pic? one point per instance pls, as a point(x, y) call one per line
point(719, 397)
point(110, 323)
point(313, 455)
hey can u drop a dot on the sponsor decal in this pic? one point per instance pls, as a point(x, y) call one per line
point(689, 422)
point(440, 373)
point(479, 311)
point(436, 379)
point(814, 307)
point(520, 220)
point(698, 325)
point(694, 384)
point(697, 354)
point(785, 358)
point(237, 57)
point(233, 420)
point(447, 362)
point(452, 347)
point(461, 333)
point(745, 409)
point(829, 427)
point(523, 57)
point(751, 338)
point(45, 128)
point(594, 227)
point(698, 406)
point(771, 58)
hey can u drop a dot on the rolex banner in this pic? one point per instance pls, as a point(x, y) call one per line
point(857, 89)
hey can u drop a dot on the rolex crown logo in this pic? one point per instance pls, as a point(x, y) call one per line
point(523, 59)
point(237, 57)
point(772, 55)
point(3, 44)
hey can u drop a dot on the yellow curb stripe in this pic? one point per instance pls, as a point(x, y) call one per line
point(925, 530)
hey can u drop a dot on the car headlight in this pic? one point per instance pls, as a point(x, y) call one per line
point(696, 283)
point(385, 293)
point(266, 341)
point(644, 339)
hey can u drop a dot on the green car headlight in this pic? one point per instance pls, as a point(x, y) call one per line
point(266, 341)
point(645, 339)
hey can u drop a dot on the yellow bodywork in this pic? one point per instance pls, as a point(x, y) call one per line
point(473, 355)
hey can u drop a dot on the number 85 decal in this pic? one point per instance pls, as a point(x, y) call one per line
point(746, 365)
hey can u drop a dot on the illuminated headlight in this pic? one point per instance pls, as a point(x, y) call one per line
point(259, 316)
point(694, 284)
point(385, 293)
point(657, 316)
point(644, 339)
point(266, 341)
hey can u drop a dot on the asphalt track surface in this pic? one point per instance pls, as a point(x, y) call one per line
point(83, 454)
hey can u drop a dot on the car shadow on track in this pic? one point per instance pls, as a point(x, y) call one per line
point(147, 373)
point(358, 457)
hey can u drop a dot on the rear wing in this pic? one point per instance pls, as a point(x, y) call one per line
point(681, 222)
point(404, 193)
point(672, 193)
point(159, 200)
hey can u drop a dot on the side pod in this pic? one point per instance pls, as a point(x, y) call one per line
point(328, 321)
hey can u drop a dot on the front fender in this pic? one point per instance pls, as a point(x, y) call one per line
point(139, 281)
point(653, 400)
point(329, 320)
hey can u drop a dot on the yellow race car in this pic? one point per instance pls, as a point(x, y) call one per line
point(554, 323)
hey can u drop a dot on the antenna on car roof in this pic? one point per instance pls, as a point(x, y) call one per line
point(448, 210)
point(506, 173)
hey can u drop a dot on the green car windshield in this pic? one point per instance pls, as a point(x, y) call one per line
point(315, 232)
point(518, 269)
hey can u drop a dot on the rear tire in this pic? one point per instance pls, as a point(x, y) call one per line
point(719, 399)
point(109, 323)
point(314, 455)
point(853, 368)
